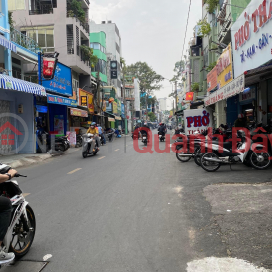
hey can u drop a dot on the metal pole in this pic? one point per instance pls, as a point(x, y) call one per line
point(125, 104)
point(176, 97)
point(146, 107)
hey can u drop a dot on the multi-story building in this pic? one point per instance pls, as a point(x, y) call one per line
point(17, 96)
point(163, 103)
point(98, 44)
point(58, 26)
point(114, 49)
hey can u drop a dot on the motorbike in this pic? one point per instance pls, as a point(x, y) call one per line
point(212, 161)
point(79, 140)
point(161, 136)
point(42, 141)
point(145, 139)
point(89, 145)
point(135, 137)
point(21, 231)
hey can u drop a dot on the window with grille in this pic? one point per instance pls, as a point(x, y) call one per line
point(70, 39)
point(43, 35)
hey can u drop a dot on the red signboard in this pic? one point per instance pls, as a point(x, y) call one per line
point(212, 79)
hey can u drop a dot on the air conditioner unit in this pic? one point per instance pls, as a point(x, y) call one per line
point(103, 22)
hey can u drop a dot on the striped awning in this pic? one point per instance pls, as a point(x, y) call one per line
point(11, 83)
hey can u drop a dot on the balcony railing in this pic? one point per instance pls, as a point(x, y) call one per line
point(26, 42)
point(43, 9)
point(83, 56)
point(85, 25)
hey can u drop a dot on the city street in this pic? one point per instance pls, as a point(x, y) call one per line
point(129, 211)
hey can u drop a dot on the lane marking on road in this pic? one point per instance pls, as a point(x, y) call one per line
point(117, 150)
point(102, 158)
point(25, 194)
point(74, 171)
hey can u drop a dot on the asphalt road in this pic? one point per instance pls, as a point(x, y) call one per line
point(124, 211)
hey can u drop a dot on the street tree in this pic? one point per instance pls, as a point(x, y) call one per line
point(152, 116)
point(149, 79)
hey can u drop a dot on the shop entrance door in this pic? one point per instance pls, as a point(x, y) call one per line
point(5, 148)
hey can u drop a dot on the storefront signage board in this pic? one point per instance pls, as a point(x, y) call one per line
point(212, 79)
point(236, 86)
point(251, 37)
point(53, 99)
point(62, 81)
point(197, 120)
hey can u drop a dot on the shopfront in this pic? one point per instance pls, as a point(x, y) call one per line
point(86, 103)
point(77, 117)
point(59, 89)
point(252, 56)
point(226, 101)
point(17, 126)
point(58, 113)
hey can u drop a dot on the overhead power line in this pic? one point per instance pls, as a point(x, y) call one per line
point(186, 27)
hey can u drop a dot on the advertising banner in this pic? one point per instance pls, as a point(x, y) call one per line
point(251, 36)
point(236, 86)
point(197, 120)
point(212, 79)
point(86, 100)
point(62, 81)
point(114, 107)
point(59, 124)
point(224, 68)
point(78, 112)
point(71, 137)
point(53, 99)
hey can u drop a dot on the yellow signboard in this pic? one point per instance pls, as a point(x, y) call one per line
point(171, 113)
point(114, 107)
point(224, 68)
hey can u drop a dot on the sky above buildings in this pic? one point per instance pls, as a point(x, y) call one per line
point(151, 30)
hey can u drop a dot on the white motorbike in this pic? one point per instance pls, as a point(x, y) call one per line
point(222, 154)
point(21, 231)
point(89, 146)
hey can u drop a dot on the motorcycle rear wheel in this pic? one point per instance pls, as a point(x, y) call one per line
point(209, 166)
point(84, 155)
point(197, 158)
point(23, 240)
point(182, 158)
point(260, 161)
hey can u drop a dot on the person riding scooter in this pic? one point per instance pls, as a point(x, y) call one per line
point(94, 130)
point(144, 131)
point(5, 217)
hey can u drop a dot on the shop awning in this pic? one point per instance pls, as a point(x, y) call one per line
point(254, 76)
point(197, 103)
point(78, 112)
point(180, 112)
point(234, 87)
point(110, 119)
point(109, 114)
point(11, 83)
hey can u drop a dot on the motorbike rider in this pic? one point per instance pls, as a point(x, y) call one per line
point(144, 131)
point(162, 129)
point(101, 133)
point(5, 217)
point(94, 130)
point(241, 121)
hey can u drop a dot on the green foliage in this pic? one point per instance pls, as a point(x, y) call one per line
point(149, 79)
point(211, 5)
point(205, 27)
point(10, 19)
point(152, 116)
point(195, 87)
point(88, 53)
point(75, 9)
point(211, 66)
point(123, 63)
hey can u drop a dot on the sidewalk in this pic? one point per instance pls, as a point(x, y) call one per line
point(23, 160)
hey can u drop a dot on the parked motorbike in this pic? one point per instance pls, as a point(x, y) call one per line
point(212, 161)
point(89, 145)
point(21, 231)
point(62, 143)
point(42, 141)
point(79, 140)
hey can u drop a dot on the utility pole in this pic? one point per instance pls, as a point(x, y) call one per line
point(125, 102)
point(146, 106)
point(176, 97)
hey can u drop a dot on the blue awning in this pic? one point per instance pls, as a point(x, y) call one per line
point(8, 82)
